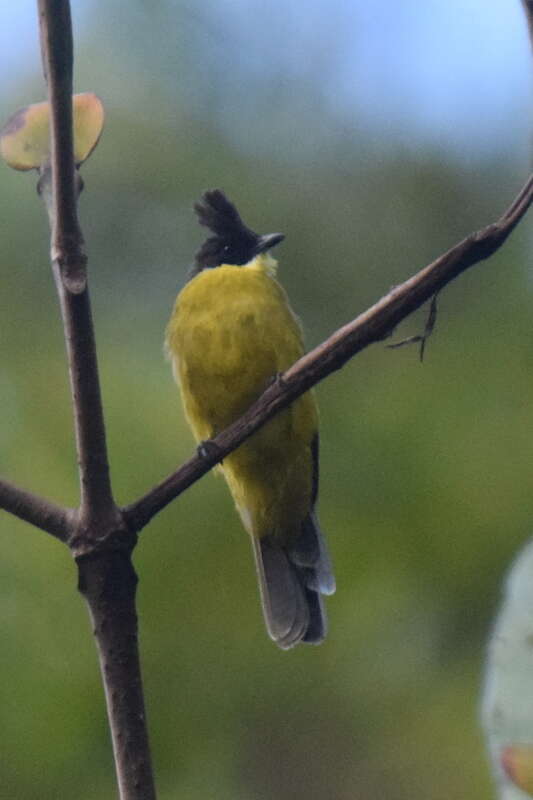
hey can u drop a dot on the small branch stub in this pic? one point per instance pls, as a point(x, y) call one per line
point(68, 255)
point(38, 511)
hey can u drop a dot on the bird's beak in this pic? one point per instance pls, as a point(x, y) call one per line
point(268, 241)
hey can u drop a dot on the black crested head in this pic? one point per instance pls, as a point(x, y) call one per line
point(233, 242)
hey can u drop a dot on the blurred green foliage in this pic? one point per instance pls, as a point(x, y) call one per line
point(426, 469)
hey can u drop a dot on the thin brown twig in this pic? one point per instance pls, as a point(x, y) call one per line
point(36, 510)
point(57, 55)
point(69, 264)
point(371, 326)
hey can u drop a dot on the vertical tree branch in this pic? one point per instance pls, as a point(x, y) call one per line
point(57, 54)
point(61, 184)
point(108, 583)
point(101, 543)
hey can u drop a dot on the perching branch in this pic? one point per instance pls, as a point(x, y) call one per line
point(373, 325)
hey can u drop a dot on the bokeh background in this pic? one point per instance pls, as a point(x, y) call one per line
point(375, 139)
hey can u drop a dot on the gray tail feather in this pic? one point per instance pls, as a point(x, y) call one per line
point(291, 582)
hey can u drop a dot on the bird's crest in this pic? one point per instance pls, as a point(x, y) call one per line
point(216, 212)
point(232, 243)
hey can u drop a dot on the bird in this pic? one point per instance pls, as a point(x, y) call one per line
point(231, 333)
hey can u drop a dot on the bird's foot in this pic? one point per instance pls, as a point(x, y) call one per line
point(208, 450)
point(277, 380)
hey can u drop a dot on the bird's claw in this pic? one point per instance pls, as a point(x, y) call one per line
point(277, 380)
point(208, 449)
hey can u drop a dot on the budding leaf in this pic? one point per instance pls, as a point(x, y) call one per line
point(25, 138)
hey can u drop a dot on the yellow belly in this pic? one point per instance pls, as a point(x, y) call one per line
point(231, 331)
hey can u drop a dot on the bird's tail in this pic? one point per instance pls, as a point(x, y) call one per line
point(292, 581)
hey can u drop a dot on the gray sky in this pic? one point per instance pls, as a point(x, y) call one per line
point(452, 73)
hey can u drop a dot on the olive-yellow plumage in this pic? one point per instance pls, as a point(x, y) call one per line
point(231, 332)
point(224, 362)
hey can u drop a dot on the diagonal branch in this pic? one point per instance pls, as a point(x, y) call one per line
point(36, 510)
point(371, 326)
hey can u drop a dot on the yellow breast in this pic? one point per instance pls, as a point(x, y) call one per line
point(231, 331)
